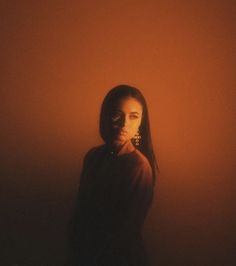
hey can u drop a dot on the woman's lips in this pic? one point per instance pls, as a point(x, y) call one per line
point(119, 132)
point(122, 132)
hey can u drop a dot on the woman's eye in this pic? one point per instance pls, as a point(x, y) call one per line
point(116, 117)
point(133, 117)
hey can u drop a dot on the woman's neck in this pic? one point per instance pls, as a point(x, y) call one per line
point(116, 146)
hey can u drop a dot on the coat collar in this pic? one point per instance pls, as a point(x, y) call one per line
point(126, 148)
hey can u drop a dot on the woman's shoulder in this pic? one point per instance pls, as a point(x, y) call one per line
point(139, 159)
point(94, 151)
point(141, 170)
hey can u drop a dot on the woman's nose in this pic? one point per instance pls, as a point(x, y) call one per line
point(124, 122)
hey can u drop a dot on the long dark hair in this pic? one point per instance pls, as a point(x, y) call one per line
point(109, 103)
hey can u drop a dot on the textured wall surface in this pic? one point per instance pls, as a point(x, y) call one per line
point(58, 60)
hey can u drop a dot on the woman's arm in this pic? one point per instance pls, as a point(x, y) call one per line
point(139, 196)
point(129, 215)
point(134, 200)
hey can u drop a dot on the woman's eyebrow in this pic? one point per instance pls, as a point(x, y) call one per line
point(120, 111)
point(135, 113)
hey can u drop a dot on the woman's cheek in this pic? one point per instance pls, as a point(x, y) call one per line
point(133, 132)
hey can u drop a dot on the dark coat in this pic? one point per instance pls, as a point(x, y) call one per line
point(114, 196)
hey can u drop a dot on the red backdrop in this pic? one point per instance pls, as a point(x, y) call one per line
point(58, 61)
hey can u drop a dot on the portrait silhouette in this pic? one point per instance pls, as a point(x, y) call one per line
point(116, 186)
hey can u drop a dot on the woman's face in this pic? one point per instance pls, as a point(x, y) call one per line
point(126, 120)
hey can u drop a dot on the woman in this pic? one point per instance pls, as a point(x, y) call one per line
point(116, 185)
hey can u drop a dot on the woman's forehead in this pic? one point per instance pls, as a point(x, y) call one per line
point(129, 104)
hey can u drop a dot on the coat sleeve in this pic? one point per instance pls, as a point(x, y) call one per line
point(138, 197)
point(128, 216)
point(135, 203)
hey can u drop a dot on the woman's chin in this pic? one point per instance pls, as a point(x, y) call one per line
point(119, 141)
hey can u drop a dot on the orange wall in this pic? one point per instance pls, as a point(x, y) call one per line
point(59, 60)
